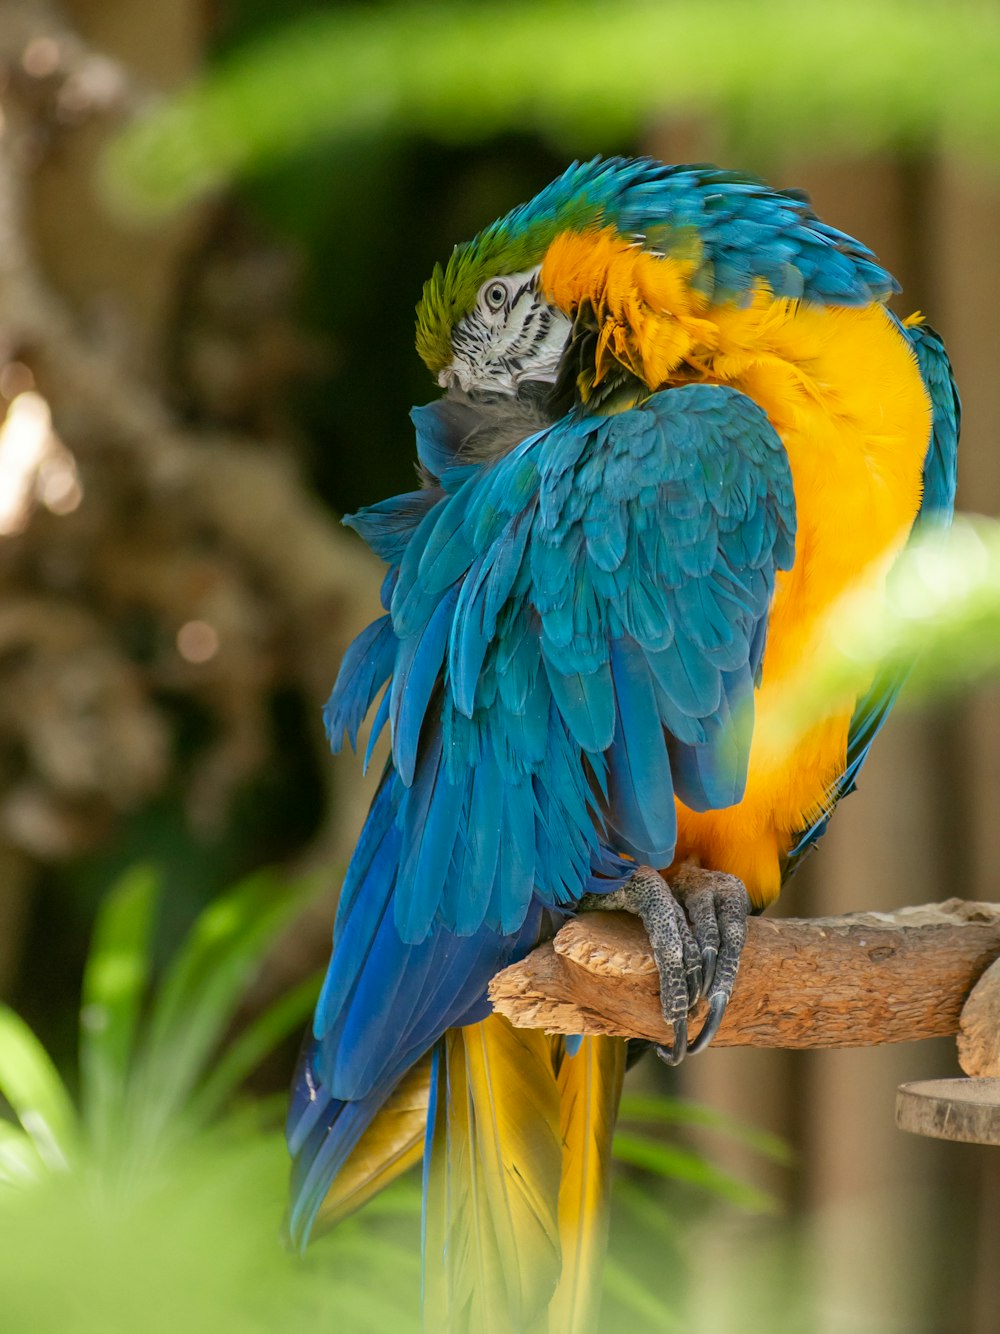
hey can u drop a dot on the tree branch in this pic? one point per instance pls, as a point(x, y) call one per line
point(853, 981)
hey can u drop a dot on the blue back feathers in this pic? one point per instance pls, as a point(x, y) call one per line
point(573, 636)
point(745, 228)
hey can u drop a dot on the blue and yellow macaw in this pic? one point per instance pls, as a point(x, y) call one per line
point(678, 421)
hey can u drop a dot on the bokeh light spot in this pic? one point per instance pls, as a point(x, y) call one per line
point(197, 641)
point(41, 57)
point(16, 378)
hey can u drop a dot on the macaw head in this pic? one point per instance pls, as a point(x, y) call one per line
point(483, 323)
point(486, 321)
point(605, 283)
point(503, 310)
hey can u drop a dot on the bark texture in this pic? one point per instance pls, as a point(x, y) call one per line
point(853, 981)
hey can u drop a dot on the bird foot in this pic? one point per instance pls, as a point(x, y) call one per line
point(697, 926)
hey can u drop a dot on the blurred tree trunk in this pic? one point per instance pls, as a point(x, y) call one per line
point(963, 227)
point(175, 529)
point(119, 279)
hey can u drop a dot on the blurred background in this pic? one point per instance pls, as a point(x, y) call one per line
point(215, 220)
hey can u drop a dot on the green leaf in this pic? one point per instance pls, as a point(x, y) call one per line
point(31, 1084)
point(200, 995)
point(114, 986)
point(416, 69)
point(658, 1110)
point(242, 1056)
point(679, 1164)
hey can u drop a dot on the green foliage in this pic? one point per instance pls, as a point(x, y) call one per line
point(149, 1209)
point(853, 75)
point(49, 1134)
point(664, 1192)
point(146, 1210)
point(198, 1251)
point(151, 1072)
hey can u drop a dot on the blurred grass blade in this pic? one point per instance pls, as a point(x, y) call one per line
point(638, 1299)
point(633, 1198)
point(202, 991)
point(223, 947)
point(242, 1056)
point(679, 1164)
point(114, 987)
point(19, 1160)
point(31, 1084)
point(680, 1112)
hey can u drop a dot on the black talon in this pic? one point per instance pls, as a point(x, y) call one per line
point(716, 1011)
point(675, 1054)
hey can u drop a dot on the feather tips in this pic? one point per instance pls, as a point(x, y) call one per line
point(392, 1144)
point(516, 1180)
point(590, 1086)
point(493, 1172)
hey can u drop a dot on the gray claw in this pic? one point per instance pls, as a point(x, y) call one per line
point(696, 927)
point(716, 1011)
point(675, 1054)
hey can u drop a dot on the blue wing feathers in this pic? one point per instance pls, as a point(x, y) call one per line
point(418, 666)
point(640, 765)
point(571, 628)
point(388, 526)
point(587, 609)
point(367, 665)
point(940, 467)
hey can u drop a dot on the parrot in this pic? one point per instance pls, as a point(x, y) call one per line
point(678, 419)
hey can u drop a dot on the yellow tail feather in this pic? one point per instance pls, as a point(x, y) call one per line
point(392, 1143)
point(590, 1087)
point(492, 1240)
point(517, 1193)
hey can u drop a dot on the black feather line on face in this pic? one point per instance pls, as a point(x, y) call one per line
point(498, 348)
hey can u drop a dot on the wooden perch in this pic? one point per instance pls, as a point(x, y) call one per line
point(853, 981)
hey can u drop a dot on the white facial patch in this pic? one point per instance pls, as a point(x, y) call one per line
point(511, 335)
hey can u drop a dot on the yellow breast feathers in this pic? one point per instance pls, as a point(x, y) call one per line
point(842, 389)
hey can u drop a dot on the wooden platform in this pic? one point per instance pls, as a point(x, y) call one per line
point(966, 1110)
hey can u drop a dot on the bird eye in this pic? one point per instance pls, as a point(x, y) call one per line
point(495, 296)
